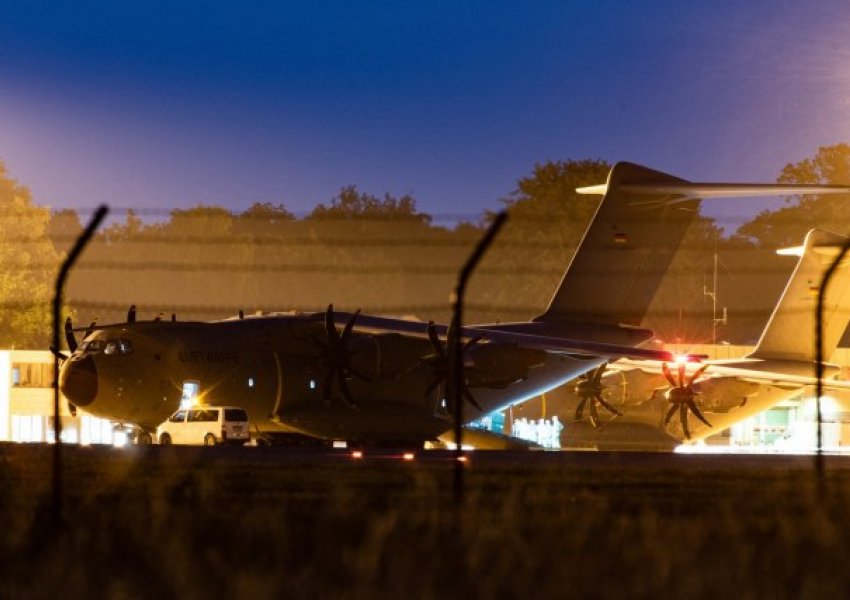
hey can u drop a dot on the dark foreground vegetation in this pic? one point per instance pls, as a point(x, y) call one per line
point(255, 523)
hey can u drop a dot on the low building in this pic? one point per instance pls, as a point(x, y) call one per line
point(26, 403)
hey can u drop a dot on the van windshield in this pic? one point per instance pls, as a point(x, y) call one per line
point(235, 414)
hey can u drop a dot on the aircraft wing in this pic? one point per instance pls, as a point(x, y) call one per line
point(786, 380)
point(784, 374)
point(419, 329)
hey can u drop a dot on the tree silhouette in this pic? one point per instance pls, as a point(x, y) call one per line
point(27, 265)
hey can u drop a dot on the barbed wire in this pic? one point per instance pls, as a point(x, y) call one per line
point(364, 242)
point(216, 212)
point(227, 310)
point(330, 242)
point(390, 309)
point(607, 270)
point(414, 219)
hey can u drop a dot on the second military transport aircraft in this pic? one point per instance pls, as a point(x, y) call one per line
point(374, 379)
point(640, 405)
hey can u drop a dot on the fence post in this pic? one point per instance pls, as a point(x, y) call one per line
point(819, 358)
point(69, 261)
point(453, 342)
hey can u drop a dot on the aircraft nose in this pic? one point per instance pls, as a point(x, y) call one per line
point(78, 381)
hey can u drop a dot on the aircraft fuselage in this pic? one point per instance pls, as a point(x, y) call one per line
point(273, 367)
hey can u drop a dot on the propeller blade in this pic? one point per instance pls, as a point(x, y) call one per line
point(665, 370)
point(693, 406)
point(594, 416)
point(358, 375)
point(60, 355)
point(90, 328)
point(69, 335)
point(670, 412)
point(470, 343)
point(344, 391)
point(597, 374)
point(330, 326)
point(696, 374)
point(435, 340)
point(349, 327)
point(131, 314)
point(468, 395)
point(683, 417)
point(607, 406)
point(580, 409)
point(681, 374)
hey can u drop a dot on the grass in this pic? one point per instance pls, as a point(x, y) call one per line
point(251, 523)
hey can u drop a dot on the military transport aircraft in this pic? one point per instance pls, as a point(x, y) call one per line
point(641, 404)
point(375, 379)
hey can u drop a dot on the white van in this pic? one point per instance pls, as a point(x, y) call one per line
point(207, 425)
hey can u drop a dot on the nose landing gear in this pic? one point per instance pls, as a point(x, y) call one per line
point(131, 434)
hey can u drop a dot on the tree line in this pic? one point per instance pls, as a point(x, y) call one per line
point(383, 254)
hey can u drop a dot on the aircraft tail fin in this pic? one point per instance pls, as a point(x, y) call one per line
point(626, 250)
point(790, 332)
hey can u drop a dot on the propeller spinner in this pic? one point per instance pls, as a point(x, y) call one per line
point(589, 390)
point(682, 395)
point(438, 361)
point(335, 358)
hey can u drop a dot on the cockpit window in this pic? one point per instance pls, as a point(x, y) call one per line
point(94, 346)
point(110, 346)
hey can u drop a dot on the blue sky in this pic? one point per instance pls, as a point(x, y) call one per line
point(170, 104)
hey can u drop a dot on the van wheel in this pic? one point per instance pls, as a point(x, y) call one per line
point(165, 440)
point(209, 440)
point(144, 439)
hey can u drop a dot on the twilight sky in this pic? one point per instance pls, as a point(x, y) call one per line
point(168, 104)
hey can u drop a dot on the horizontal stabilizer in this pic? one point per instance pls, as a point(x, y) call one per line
point(717, 190)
